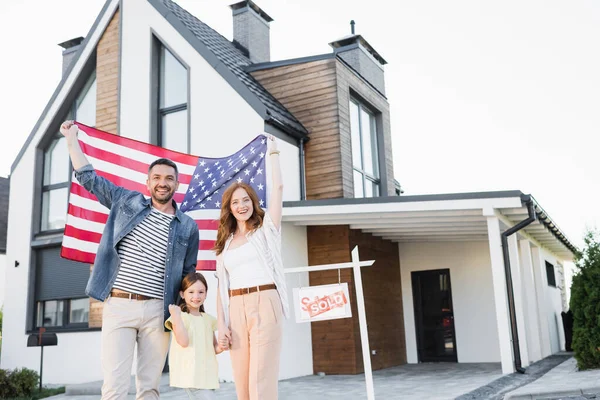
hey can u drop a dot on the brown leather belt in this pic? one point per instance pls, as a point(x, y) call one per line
point(248, 290)
point(130, 296)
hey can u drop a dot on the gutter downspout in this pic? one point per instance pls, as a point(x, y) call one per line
point(509, 284)
point(302, 175)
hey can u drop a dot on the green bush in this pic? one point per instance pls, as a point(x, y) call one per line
point(18, 382)
point(5, 384)
point(585, 304)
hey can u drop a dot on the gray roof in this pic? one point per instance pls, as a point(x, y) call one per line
point(4, 192)
point(233, 59)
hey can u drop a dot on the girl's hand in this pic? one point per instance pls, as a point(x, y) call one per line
point(174, 310)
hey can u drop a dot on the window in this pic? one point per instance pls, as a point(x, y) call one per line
point(55, 185)
point(62, 313)
point(85, 105)
point(550, 274)
point(56, 162)
point(365, 160)
point(172, 102)
point(60, 299)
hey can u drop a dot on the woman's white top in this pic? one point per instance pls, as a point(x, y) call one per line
point(266, 240)
point(245, 267)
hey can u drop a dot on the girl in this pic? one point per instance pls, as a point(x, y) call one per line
point(252, 292)
point(192, 355)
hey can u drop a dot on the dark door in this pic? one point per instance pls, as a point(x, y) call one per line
point(434, 316)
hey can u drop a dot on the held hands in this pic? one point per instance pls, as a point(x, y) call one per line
point(69, 129)
point(224, 338)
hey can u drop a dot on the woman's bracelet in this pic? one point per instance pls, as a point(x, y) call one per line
point(274, 152)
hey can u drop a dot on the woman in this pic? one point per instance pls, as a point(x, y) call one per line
point(252, 294)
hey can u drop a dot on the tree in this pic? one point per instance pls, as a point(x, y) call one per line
point(585, 304)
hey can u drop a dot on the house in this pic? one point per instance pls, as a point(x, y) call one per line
point(467, 277)
point(4, 189)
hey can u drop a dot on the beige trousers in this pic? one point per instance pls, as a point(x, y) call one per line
point(256, 327)
point(124, 323)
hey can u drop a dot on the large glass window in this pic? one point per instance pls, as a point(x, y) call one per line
point(365, 160)
point(55, 185)
point(85, 105)
point(62, 313)
point(172, 103)
point(56, 161)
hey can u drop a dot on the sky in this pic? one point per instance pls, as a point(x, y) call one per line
point(484, 95)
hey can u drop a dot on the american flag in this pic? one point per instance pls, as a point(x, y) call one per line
point(125, 162)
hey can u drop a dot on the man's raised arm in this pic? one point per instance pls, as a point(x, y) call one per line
point(69, 130)
point(106, 191)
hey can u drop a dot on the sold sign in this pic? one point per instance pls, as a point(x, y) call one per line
point(324, 304)
point(319, 303)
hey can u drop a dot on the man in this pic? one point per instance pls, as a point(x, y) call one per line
point(147, 247)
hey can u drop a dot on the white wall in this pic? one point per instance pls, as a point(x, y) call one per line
point(472, 295)
point(3, 264)
point(76, 357)
point(554, 304)
point(221, 122)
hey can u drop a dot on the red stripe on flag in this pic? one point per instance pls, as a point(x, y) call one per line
point(80, 191)
point(207, 224)
point(206, 244)
point(88, 215)
point(206, 265)
point(77, 255)
point(123, 161)
point(82, 234)
point(141, 146)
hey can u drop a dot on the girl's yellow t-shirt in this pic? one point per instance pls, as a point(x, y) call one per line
point(194, 366)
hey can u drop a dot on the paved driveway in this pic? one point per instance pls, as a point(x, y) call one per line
point(432, 381)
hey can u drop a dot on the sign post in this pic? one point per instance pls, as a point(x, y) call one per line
point(42, 339)
point(356, 265)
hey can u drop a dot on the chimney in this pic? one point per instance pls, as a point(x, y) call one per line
point(70, 49)
point(361, 56)
point(251, 30)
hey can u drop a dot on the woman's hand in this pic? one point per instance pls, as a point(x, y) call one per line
point(272, 143)
point(275, 203)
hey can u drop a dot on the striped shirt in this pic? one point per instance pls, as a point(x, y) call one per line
point(143, 254)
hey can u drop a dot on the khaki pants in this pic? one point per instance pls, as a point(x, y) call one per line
point(256, 327)
point(124, 323)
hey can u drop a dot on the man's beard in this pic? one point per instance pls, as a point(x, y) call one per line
point(162, 200)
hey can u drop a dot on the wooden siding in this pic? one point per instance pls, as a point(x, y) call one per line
point(336, 344)
point(309, 91)
point(107, 103)
point(318, 94)
point(107, 77)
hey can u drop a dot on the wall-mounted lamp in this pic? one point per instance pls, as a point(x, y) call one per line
point(17, 263)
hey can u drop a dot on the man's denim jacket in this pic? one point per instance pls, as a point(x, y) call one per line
point(127, 209)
